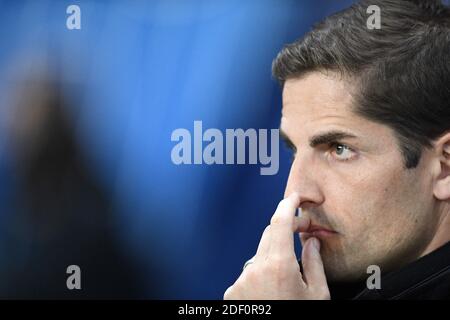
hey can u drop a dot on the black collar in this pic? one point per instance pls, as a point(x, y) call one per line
point(404, 282)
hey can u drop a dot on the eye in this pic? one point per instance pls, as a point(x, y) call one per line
point(342, 152)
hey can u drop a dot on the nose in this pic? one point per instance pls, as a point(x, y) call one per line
point(304, 178)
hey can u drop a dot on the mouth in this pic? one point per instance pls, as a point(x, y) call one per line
point(319, 232)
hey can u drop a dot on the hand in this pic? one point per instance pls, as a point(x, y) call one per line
point(275, 272)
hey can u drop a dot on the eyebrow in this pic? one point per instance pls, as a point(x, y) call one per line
point(329, 137)
point(318, 139)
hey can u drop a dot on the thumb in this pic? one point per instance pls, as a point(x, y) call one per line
point(313, 270)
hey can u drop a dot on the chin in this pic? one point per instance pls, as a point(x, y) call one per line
point(338, 269)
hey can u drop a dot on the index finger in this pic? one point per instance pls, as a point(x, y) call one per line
point(281, 227)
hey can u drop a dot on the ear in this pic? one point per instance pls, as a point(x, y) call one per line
point(442, 184)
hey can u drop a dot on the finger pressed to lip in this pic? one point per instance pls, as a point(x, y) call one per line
point(282, 225)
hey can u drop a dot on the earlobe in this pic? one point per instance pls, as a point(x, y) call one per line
point(442, 186)
point(442, 189)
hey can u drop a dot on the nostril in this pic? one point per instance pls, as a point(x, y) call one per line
point(307, 204)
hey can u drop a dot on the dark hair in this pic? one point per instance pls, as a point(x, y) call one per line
point(402, 69)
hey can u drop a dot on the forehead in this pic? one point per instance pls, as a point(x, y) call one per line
point(317, 95)
point(320, 101)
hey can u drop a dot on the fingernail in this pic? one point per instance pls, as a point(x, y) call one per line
point(316, 243)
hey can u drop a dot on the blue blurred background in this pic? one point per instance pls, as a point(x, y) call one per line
point(133, 73)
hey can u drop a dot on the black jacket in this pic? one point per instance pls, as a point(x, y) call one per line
point(426, 278)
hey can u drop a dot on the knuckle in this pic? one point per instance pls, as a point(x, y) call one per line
point(274, 219)
point(279, 219)
point(284, 203)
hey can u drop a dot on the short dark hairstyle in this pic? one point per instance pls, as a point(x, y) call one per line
point(402, 69)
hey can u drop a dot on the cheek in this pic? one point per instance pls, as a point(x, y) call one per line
point(362, 200)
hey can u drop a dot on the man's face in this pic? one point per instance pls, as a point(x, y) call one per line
point(351, 175)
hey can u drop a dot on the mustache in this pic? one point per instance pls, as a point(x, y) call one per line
point(318, 218)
